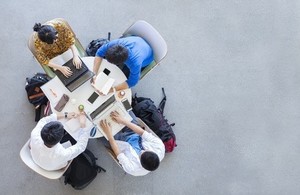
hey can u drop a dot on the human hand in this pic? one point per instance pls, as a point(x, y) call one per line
point(105, 127)
point(66, 71)
point(97, 90)
point(72, 115)
point(77, 62)
point(93, 79)
point(117, 117)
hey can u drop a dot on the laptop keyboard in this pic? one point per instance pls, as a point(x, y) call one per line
point(76, 72)
point(108, 118)
point(102, 107)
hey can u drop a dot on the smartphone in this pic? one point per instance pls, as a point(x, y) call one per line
point(126, 104)
point(93, 97)
point(106, 71)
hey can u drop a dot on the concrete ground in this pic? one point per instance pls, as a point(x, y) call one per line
point(232, 80)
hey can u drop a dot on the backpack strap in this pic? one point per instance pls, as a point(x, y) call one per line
point(99, 168)
point(162, 103)
point(91, 157)
point(38, 111)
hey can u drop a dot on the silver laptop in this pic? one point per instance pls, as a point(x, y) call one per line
point(104, 111)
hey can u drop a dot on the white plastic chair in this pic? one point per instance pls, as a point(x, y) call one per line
point(79, 47)
point(27, 159)
point(111, 152)
point(145, 30)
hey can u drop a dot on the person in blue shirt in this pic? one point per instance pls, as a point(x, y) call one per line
point(133, 52)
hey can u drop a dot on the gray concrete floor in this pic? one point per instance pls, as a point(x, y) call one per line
point(231, 77)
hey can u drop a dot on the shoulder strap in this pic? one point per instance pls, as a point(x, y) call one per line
point(99, 168)
point(162, 102)
point(38, 111)
point(91, 157)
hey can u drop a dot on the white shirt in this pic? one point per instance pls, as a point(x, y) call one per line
point(130, 160)
point(56, 157)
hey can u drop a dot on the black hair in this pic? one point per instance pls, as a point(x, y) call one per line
point(52, 133)
point(116, 54)
point(46, 33)
point(149, 160)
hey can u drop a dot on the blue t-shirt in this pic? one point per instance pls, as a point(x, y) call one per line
point(136, 142)
point(140, 54)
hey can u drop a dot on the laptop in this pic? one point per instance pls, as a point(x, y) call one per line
point(104, 111)
point(78, 77)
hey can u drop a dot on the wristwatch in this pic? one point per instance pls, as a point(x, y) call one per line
point(66, 115)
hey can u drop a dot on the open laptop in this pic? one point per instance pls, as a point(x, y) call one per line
point(103, 112)
point(78, 77)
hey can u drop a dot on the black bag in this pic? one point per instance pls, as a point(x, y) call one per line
point(82, 171)
point(145, 109)
point(35, 94)
point(94, 45)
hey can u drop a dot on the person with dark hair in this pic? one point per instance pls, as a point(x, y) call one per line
point(133, 53)
point(52, 39)
point(137, 150)
point(47, 138)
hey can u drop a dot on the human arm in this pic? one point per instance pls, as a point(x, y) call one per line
point(119, 87)
point(134, 75)
point(76, 61)
point(82, 140)
point(63, 69)
point(107, 130)
point(120, 119)
point(67, 115)
point(96, 67)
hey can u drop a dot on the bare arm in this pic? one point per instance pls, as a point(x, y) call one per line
point(76, 61)
point(117, 117)
point(97, 64)
point(67, 115)
point(119, 87)
point(107, 130)
point(65, 70)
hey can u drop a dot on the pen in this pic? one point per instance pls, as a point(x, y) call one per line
point(55, 95)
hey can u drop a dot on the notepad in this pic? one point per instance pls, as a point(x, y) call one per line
point(103, 83)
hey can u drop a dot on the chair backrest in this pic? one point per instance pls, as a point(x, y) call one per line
point(144, 126)
point(27, 159)
point(79, 47)
point(145, 30)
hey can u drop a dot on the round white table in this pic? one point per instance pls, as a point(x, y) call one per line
point(82, 93)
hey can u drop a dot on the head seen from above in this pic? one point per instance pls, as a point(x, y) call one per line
point(46, 33)
point(149, 160)
point(52, 133)
point(116, 54)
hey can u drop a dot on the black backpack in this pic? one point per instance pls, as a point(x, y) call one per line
point(35, 94)
point(94, 45)
point(145, 109)
point(82, 171)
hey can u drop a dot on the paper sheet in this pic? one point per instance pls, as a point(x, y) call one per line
point(103, 83)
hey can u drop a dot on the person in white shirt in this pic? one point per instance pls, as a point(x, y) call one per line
point(45, 147)
point(138, 151)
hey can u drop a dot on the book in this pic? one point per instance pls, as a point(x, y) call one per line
point(103, 83)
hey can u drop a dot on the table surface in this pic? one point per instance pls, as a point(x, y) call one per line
point(81, 94)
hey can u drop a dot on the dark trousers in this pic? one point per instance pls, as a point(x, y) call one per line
point(68, 137)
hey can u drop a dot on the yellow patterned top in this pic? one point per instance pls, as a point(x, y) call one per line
point(45, 52)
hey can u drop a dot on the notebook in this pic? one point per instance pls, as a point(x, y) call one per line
point(103, 83)
point(104, 111)
point(78, 77)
